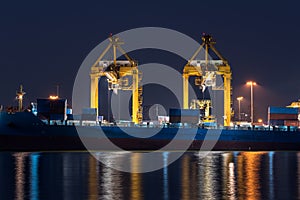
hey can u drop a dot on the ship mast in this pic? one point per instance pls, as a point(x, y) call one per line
point(20, 95)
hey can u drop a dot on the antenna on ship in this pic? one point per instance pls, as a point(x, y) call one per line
point(20, 95)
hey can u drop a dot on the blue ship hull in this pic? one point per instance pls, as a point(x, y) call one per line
point(25, 132)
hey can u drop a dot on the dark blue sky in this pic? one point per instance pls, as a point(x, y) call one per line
point(42, 43)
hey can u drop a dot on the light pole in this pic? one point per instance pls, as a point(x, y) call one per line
point(239, 100)
point(251, 83)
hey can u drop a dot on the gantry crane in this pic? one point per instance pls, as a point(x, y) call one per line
point(205, 72)
point(117, 72)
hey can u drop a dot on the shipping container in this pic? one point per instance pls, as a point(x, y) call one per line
point(291, 122)
point(100, 118)
point(184, 119)
point(184, 116)
point(184, 112)
point(57, 117)
point(70, 117)
point(283, 116)
point(91, 111)
point(69, 111)
point(282, 110)
point(89, 114)
point(88, 117)
point(76, 117)
point(275, 122)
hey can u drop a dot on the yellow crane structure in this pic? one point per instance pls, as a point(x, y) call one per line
point(117, 72)
point(205, 72)
point(204, 104)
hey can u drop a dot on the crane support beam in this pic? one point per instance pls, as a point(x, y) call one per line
point(94, 92)
point(225, 71)
point(218, 54)
point(196, 53)
point(227, 99)
point(102, 55)
point(185, 91)
point(135, 95)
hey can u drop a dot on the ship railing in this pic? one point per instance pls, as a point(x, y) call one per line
point(170, 125)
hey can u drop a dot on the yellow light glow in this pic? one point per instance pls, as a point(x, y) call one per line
point(20, 96)
point(251, 163)
point(251, 83)
point(240, 98)
point(259, 120)
point(53, 97)
point(136, 178)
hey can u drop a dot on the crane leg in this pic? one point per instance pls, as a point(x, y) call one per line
point(135, 96)
point(227, 99)
point(94, 92)
point(185, 92)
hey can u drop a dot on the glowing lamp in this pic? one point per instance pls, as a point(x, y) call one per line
point(251, 83)
point(240, 98)
point(53, 97)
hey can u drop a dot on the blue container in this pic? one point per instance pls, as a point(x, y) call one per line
point(89, 111)
point(184, 112)
point(276, 122)
point(69, 111)
point(184, 115)
point(282, 110)
point(57, 117)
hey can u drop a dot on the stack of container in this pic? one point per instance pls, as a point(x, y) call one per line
point(89, 114)
point(283, 116)
point(184, 116)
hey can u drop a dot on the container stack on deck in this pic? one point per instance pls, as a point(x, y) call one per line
point(283, 116)
point(190, 116)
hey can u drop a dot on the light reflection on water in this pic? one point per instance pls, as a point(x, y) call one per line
point(136, 178)
point(252, 175)
point(93, 179)
point(34, 176)
point(218, 175)
point(271, 178)
point(165, 175)
point(20, 175)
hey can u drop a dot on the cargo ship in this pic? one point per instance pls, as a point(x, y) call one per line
point(48, 125)
point(24, 131)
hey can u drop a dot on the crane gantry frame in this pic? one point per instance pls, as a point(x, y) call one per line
point(116, 72)
point(207, 74)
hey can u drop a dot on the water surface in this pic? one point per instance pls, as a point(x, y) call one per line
point(218, 175)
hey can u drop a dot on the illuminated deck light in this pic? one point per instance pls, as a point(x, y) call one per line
point(53, 97)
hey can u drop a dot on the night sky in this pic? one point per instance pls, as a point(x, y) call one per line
point(43, 43)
